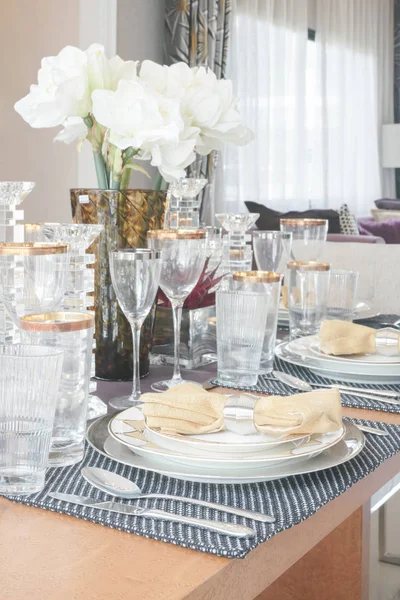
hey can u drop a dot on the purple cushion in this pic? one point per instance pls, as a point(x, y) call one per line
point(357, 239)
point(388, 230)
point(388, 204)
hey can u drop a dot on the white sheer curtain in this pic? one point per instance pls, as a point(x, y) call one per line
point(268, 66)
point(316, 108)
point(354, 46)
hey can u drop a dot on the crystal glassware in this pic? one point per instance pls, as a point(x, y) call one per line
point(183, 207)
point(308, 289)
point(135, 276)
point(238, 254)
point(183, 258)
point(342, 295)
point(269, 283)
point(79, 285)
point(72, 333)
point(32, 277)
point(308, 237)
point(29, 380)
point(12, 193)
point(241, 325)
point(272, 250)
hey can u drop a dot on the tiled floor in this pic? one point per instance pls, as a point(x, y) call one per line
point(384, 578)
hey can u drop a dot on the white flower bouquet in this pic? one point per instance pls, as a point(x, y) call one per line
point(154, 113)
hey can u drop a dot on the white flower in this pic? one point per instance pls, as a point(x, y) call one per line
point(122, 69)
point(62, 90)
point(133, 116)
point(74, 130)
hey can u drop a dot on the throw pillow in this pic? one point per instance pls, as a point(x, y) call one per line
point(348, 222)
point(269, 218)
point(387, 204)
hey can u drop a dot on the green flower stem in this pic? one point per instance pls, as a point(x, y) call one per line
point(100, 171)
point(158, 183)
point(125, 178)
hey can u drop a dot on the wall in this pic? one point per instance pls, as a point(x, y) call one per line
point(31, 30)
point(140, 35)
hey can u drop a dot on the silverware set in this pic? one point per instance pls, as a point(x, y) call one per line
point(121, 487)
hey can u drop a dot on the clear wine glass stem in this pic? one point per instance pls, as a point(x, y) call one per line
point(136, 327)
point(177, 315)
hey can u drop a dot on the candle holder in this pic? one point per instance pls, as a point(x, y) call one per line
point(237, 254)
point(183, 207)
point(12, 194)
point(79, 289)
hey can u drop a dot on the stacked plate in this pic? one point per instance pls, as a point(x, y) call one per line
point(222, 457)
point(366, 368)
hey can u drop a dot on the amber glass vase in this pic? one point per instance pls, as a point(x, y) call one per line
point(127, 215)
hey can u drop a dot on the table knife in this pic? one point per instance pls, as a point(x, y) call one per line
point(231, 529)
point(384, 393)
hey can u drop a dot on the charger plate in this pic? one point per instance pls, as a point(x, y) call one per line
point(351, 445)
point(128, 428)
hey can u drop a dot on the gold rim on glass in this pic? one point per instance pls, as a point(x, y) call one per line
point(303, 222)
point(310, 265)
point(57, 321)
point(32, 248)
point(256, 276)
point(177, 234)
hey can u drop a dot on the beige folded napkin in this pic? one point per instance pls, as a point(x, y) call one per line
point(188, 409)
point(341, 338)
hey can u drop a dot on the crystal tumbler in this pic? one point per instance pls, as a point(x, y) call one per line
point(29, 380)
point(342, 295)
point(73, 334)
point(308, 289)
point(241, 324)
point(308, 237)
point(269, 283)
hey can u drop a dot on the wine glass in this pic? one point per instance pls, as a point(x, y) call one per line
point(135, 274)
point(183, 258)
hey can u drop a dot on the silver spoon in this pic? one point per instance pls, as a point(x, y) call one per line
point(299, 384)
point(119, 486)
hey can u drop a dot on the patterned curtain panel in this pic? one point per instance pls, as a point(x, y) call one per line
point(196, 32)
point(397, 77)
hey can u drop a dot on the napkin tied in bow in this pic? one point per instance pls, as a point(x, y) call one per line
point(341, 338)
point(188, 409)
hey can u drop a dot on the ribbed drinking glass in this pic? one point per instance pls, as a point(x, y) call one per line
point(308, 289)
point(73, 334)
point(135, 275)
point(269, 283)
point(183, 258)
point(29, 380)
point(241, 325)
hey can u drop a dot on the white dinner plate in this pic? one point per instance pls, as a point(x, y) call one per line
point(375, 359)
point(302, 347)
point(222, 443)
point(335, 371)
point(351, 445)
point(128, 428)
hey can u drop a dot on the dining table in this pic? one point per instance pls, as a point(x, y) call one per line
point(45, 555)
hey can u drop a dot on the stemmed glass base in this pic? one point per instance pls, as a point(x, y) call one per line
point(124, 402)
point(163, 386)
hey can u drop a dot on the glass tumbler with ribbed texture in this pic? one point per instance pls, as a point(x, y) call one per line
point(73, 334)
point(241, 324)
point(29, 380)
